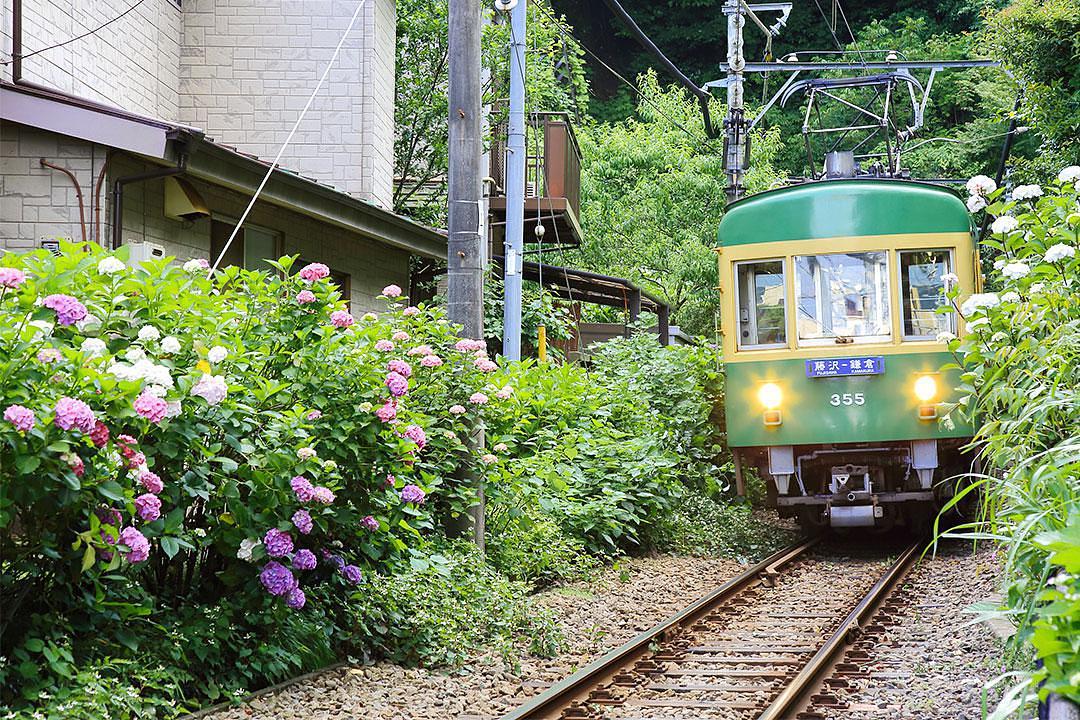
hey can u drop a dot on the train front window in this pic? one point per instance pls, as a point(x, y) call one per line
point(762, 318)
point(922, 291)
point(843, 297)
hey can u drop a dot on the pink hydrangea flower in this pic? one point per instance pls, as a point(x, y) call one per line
point(11, 278)
point(400, 367)
point(138, 545)
point(277, 579)
point(370, 523)
point(211, 388)
point(341, 319)
point(478, 398)
point(391, 291)
point(75, 463)
point(411, 311)
point(296, 599)
point(457, 409)
point(49, 355)
point(72, 414)
point(390, 480)
point(304, 297)
point(505, 392)
point(151, 482)
point(21, 417)
point(136, 460)
point(489, 459)
point(100, 434)
point(431, 361)
point(323, 495)
point(387, 412)
point(314, 271)
point(305, 491)
point(314, 415)
point(421, 350)
point(417, 435)
point(485, 365)
point(278, 543)
point(400, 336)
point(301, 519)
point(467, 345)
point(384, 346)
point(151, 407)
point(397, 384)
point(68, 310)
point(148, 507)
point(500, 447)
point(412, 494)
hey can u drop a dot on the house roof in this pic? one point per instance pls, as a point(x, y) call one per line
point(168, 143)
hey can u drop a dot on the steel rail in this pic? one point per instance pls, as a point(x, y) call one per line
point(577, 686)
point(809, 678)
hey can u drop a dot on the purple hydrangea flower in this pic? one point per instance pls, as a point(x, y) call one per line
point(302, 520)
point(370, 523)
point(336, 561)
point(304, 560)
point(138, 545)
point(21, 417)
point(323, 495)
point(277, 542)
point(68, 310)
point(109, 516)
point(74, 414)
point(397, 384)
point(352, 574)
point(276, 578)
point(151, 482)
point(412, 494)
point(148, 507)
point(417, 435)
point(305, 491)
point(295, 599)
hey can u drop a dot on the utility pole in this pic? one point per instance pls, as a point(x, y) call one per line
point(515, 185)
point(464, 262)
point(736, 145)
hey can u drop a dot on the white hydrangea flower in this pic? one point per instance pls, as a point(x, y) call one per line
point(1059, 252)
point(1037, 288)
point(44, 327)
point(978, 323)
point(196, 265)
point(945, 337)
point(1026, 192)
point(149, 333)
point(247, 545)
point(306, 453)
point(217, 354)
point(329, 466)
point(979, 300)
point(1004, 224)
point(111, 266)
point(170, 345)
point(93, 347)
point(90, 319)
point(134, 354)
point(121, 371)
point(981, 185)
point(949, 281)
point(152, 373)
point(1069, 174)
point(975, 203)
point(173, 408)
point(1010, 297)
point(157, 390)
point(1015, 270)
point(369, 317)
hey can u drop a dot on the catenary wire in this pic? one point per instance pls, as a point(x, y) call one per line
point(281, 151)
point(77, 37)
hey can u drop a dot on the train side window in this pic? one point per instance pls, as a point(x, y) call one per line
point(922, 290)
point(761, 304)
point(842, 297)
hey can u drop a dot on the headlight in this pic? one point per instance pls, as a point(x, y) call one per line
point(926, 388)
point(770, 395)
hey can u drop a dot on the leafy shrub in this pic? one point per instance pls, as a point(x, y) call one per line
point(699, 525)
point(1021, 374)
point(537, 549)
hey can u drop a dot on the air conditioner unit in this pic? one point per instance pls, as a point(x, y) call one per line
point(144, 251)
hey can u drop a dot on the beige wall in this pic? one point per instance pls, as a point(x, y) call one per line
point(247, 68)
point(134, 63)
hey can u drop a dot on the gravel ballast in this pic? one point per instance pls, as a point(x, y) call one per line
point(940, 665)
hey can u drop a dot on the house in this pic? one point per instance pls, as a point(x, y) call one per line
point(154, 123)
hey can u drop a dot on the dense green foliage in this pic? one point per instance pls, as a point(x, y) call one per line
point(1021, 379)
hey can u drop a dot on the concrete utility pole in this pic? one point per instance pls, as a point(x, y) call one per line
point(735, 137)
point(464, 262)
point(515, 186)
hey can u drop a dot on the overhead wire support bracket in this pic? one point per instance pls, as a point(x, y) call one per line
point(780, 66)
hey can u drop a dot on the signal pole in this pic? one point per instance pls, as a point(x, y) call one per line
point(515, 186)
point(464, 262)
point(736, 146)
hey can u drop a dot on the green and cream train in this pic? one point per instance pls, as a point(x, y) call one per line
point(833, 347)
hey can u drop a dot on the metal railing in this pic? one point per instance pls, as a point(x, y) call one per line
point(552, 160)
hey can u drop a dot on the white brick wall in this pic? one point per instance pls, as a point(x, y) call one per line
point(133, 63)
point(248, 66)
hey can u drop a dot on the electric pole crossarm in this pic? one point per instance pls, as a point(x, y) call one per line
point(772, 67)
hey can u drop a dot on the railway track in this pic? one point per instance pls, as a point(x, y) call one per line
point(760, 646)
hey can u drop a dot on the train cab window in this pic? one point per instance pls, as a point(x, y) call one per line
point(922, 291)
point(842, 297)
point(761, 306)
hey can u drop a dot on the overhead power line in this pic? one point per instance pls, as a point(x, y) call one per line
point(77, 37)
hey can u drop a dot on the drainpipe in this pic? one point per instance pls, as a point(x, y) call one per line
point(16, 40)
point(78, 193)
point(118, 193)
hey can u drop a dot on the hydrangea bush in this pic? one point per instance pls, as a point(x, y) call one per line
point(1021, 377)
point(198, 435)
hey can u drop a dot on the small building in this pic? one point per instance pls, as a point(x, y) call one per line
point(159, 123)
